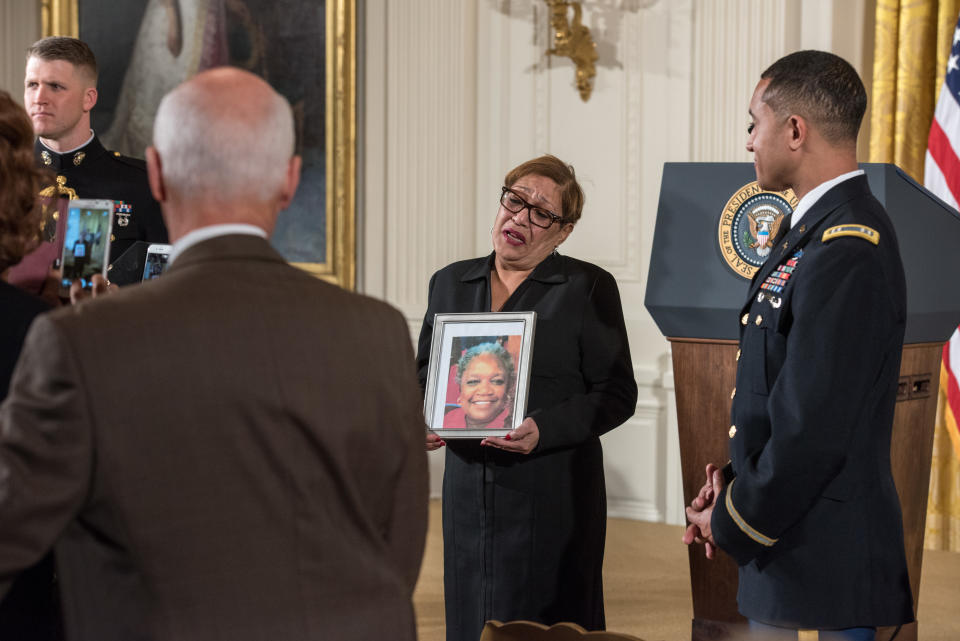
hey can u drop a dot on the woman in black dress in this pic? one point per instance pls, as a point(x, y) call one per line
point(30, 611)
point(524, 516)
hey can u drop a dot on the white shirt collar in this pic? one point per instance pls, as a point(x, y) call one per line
point(212, 231)
point(70, 151)
point(812, 196)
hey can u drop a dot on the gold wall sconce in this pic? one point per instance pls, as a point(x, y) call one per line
point(573, 40)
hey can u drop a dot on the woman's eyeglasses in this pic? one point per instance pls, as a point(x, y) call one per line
point(514, 203)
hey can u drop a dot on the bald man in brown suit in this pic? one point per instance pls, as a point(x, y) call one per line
point(254, 468)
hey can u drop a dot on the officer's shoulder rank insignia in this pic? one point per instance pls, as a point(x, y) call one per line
point(857, 231)
point(749, 224)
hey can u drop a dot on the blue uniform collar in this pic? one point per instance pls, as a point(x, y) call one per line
point(799, 236)
point(77, 157)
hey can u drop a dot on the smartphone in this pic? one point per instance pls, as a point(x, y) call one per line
point(86, 242)
point(157, 255)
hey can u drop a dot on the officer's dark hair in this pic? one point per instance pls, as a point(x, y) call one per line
point(823, 88)
point(20, 181)
point(76, 52)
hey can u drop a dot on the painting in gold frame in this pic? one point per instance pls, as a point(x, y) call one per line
point(320, 242)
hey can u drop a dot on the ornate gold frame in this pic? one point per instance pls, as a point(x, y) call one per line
point(60, 17)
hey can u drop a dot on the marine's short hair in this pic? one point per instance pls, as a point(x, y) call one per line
point(20, 181)
point(571, 195)
point(72, 50)
point(496, 350)
point(823, 88)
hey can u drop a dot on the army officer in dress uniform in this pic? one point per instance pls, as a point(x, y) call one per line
point(807, 506)
point(59, 92)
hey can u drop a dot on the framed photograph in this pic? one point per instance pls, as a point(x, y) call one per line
point(479, 373)
point(305, 49)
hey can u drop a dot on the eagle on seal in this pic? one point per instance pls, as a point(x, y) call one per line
point(764, 226)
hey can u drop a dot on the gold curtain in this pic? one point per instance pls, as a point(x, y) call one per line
point(913, 40)
point(943, 509)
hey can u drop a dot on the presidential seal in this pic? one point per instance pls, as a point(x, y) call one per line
point(749, 225)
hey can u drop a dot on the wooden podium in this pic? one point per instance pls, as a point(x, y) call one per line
point(696, 303)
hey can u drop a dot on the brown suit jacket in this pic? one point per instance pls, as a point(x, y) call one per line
point(233, 451)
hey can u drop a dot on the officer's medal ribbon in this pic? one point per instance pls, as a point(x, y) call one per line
point(123, 211)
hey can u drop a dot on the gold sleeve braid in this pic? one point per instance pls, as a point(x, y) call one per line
point(741, 522)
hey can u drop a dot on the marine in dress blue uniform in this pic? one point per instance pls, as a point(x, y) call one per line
point(94, 172)
point(60, 91)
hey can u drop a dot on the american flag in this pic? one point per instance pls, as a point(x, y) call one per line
point(942, 177)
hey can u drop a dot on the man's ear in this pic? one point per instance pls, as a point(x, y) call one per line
point(291, 181)
point(799, 130)
point(89, 98)
point(155, 175)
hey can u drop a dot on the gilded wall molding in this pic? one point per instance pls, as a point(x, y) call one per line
point(340, 266)
point(59, 18)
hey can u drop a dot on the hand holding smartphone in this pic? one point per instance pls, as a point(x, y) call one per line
point(156, 262)
point(86, 243)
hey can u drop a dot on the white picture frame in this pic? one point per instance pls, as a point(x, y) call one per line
point(471, 391)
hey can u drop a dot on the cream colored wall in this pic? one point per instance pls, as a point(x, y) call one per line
point(19, 28)
point(456, 93)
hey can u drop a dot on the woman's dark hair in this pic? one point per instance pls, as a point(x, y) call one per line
point(571, 195)
point(20, 182)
